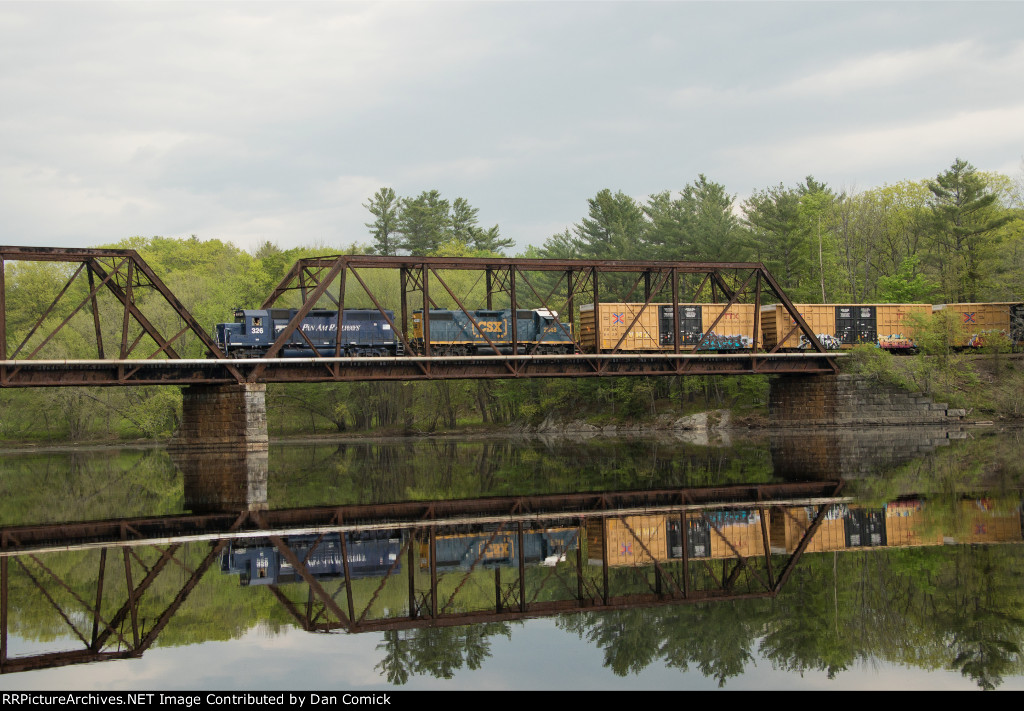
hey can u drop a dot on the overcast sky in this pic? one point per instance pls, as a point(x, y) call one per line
point(253, 121)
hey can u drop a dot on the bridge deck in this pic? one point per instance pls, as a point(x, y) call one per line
point(180, 371)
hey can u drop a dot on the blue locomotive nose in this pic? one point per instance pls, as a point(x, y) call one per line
point(228, 333)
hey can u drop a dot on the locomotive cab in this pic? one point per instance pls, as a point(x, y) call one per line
point(250, 331)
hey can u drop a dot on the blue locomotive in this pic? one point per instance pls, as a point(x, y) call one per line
point(453, 332)
point(376, 553)
point(466, 551)
point(259, 562)
point(365, 332)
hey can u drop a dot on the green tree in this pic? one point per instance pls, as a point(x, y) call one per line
point(425, 222)
point(384, 206)
point(773, 217)
point(965, 214)
point(700, 225)
point(615, 227)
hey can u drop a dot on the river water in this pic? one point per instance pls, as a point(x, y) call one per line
point(912, 577)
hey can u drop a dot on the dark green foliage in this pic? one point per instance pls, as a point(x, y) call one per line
point(964, 218)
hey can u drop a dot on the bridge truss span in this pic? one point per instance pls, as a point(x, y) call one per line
point(113, 296)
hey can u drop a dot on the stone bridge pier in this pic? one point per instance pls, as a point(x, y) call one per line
point(223, 417)
point(851, 400)
point(221, 447)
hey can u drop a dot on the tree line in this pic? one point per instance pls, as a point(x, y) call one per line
point(956, 237)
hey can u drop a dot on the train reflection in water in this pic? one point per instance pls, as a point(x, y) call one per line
point(624, 541)
point(376, 553)
point(259, 562)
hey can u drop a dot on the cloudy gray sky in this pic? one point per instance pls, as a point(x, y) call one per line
point(253, 121)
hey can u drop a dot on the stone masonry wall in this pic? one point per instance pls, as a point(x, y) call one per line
point(223, 417)
point(854, 452)
point(845, 400)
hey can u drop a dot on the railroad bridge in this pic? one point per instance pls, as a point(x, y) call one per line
point(144, 335)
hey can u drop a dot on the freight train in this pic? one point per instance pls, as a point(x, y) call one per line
point(367, 332)
point(611, 327)
point(635, 540)
point(375, 553)
point(642, 539)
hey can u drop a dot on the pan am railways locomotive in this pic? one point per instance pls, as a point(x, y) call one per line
point(365, 332)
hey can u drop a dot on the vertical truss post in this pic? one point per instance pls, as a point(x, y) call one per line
point(95, 315)
point(604, 560)
point(302, 283)
point(685, 540)
point(490, 303)
point(133, 601)
point(403, 287)
point(522, 567)
point(341, 311)
point(498, 607)
point(99, 600)
point(433, 572)
point(128, 301)
point(757, 312)
point(675, 311)
point(767, 548)
point(597, 329)
point(425, 316)
point(411, 566)
point(647, 286)
point(348, 575)
point(515, 311)
point(569, 288)
point(580, 537)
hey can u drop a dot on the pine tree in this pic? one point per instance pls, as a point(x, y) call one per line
point(384, 206)
point(964, 217)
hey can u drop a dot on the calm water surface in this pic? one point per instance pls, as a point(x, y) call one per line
point(919, 585)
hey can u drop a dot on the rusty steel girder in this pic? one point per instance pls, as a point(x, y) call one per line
point(120, 277)
point(327, 281)
point(105, 618)
point(333, 282)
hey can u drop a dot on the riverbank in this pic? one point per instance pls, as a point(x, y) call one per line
point(985, 387)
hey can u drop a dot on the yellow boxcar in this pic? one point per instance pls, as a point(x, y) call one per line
point(602, 328)
point(739, 530)
point(1006, 318)
point(984, 523)
point(906, 525)
point(842, 325)
point(631, 540)
point(789, 525)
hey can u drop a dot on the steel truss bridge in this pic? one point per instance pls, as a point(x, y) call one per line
point(117, 613)
point(139, 328)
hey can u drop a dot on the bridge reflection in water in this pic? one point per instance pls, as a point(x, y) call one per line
point(444, 563)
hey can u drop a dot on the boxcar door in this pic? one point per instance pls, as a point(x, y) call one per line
point(864, 528)
point(856, 324)
point(691, 327)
